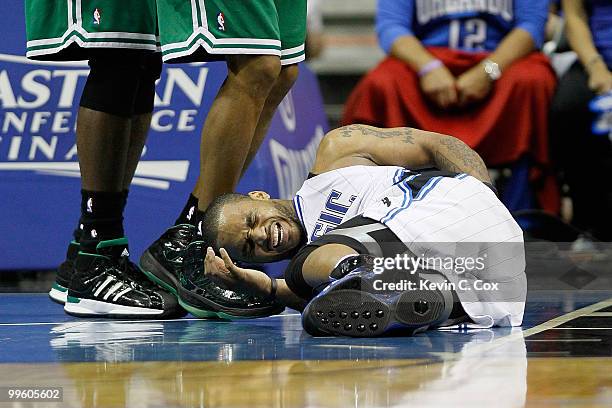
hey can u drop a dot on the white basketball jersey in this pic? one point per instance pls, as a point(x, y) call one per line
point(327, 200)
point(430, 212)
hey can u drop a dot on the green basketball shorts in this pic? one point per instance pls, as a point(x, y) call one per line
point(67, 29)
point(205, 30)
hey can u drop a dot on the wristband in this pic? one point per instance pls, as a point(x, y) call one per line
point(273, 289)
point(430, 66)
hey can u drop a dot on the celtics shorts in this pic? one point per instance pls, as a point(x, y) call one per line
point(204, 30)
point(67, 29)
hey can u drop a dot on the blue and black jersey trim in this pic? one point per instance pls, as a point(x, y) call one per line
point(416, 185)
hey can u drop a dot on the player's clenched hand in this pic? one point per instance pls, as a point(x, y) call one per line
point(473, 85)
point(227, 275)
point(439, 87)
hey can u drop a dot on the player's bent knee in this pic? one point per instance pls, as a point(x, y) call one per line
point(288, 76)
point(112, 86)
point(150, 71)
point(122, 83)
point(260, 72)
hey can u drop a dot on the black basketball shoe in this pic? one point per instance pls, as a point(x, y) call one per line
point(358, 305)
point(162, 262)
point(59, 289)
point(107, 285)
point(204, 298)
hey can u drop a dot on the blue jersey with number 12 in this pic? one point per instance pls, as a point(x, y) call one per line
point(470, 25)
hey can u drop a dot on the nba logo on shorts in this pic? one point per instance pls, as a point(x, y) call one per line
point(221, 21)
point(97, 15)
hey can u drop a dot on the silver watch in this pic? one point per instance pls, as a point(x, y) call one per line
point(492, 69)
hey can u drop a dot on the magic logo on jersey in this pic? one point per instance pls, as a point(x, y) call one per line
point(427, 10)
point(336, 207)
point(38, 110)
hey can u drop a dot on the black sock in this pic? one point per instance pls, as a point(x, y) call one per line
point(78, 231)
point(101, 217)
point(188, 214)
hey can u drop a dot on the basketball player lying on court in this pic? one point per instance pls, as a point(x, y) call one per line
point(363, 207)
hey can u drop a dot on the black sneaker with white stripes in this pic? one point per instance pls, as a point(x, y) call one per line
point(103, 285)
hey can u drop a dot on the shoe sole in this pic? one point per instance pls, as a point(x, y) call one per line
point(58, 293)
point(214, 310)
point(354, 313)
point(160, 276)
point(94, 308)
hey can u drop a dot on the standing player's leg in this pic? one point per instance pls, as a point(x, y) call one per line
point(227, 136)
point(257, 39)
point(230, 126)
point(104, 282)
point(283, 85)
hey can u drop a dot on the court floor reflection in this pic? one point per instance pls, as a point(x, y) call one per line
point(482, 371)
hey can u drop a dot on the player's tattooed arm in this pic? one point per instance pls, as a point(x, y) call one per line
point(451, 154)
point(403, 135)
point(370, 146)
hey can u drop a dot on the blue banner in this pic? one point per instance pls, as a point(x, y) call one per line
point(40, 187)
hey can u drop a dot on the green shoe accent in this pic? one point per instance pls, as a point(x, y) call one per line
point(112, 242)
point(59, 287)
point(226, 316)
point(159, 282)
point(201, 313)
point(88, 254)
point(72, 299)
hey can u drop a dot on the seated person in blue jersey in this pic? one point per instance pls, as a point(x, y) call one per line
point(471, 69)
point(373, 194)
point(579, 154)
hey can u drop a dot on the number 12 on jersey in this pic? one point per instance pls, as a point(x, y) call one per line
point(474, 34)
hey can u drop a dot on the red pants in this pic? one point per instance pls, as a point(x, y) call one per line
point(510, 123)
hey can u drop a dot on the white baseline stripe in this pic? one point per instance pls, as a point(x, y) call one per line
point(551, 324)
point(581, 328)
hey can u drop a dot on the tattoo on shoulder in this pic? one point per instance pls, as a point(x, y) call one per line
point(401, 133)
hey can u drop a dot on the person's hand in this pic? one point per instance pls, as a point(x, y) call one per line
point(600, 79)
point(227, 275)
point(473, 85)
point(439, 87)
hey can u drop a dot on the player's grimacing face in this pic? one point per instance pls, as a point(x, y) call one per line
point(258, 231)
